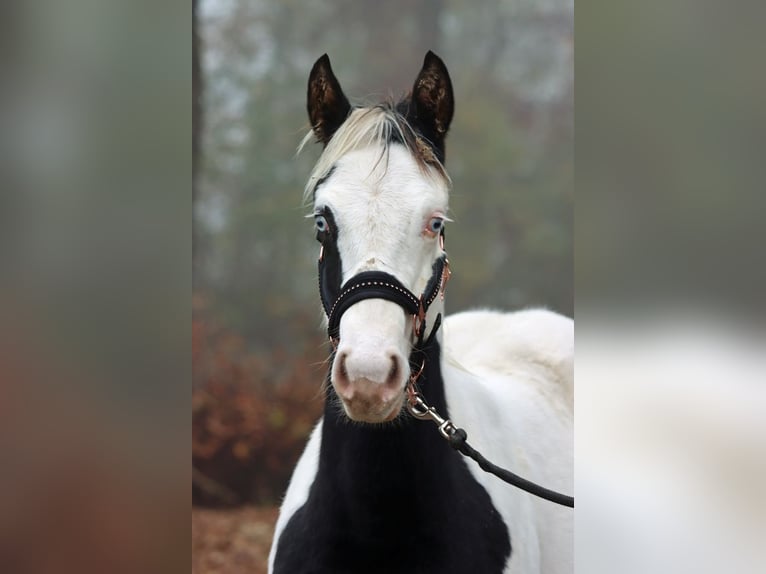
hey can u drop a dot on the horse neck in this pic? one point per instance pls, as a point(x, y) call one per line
point(386, 464)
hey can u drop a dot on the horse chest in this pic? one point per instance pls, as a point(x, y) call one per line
point(391, 510)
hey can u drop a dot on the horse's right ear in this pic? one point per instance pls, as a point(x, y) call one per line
point(327, 105)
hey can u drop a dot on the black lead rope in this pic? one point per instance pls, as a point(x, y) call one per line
point(457, 440)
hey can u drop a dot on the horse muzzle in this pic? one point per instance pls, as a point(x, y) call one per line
point(370, 367)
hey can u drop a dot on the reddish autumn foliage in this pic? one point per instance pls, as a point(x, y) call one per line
point(251, 415)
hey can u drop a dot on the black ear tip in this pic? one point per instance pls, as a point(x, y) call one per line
point(432, 59)
point(323, 63)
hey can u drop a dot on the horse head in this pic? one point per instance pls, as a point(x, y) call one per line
point(380, 202)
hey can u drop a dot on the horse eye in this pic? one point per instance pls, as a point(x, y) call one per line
point(321, 223)
point(436, 224)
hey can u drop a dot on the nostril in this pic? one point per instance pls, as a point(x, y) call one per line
point(343, 371)
point(393, 372)
point(341, 374)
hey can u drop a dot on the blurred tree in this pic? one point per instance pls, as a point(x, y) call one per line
point(197, 111)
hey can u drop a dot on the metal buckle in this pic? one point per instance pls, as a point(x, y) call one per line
point(419, 409)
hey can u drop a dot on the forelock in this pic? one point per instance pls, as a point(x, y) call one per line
point(379, 127)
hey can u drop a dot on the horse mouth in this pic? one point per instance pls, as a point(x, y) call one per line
point(372, 410)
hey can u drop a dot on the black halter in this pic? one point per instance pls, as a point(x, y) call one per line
point(376, 285)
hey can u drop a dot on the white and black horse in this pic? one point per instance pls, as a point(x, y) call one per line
point(376, 490)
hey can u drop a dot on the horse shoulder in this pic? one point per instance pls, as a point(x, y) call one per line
point(534, 346)
point(508, 379)
point(298, 490)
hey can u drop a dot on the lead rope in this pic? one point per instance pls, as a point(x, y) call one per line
point(458, 439)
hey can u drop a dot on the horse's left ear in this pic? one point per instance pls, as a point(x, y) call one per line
point(328, 107)
point(432, 103)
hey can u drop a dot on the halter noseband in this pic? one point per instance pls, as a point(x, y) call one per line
point(380, 285)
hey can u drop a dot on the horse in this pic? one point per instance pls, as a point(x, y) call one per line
point(377, 490)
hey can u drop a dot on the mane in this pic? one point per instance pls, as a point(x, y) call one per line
point(377, 126)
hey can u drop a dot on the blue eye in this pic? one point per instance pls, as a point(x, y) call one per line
point(321, 223)
point(435, 225)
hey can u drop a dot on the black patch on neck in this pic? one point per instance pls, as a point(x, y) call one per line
point(393, 498)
